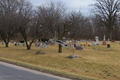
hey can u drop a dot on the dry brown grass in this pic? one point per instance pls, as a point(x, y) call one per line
point(103, 63)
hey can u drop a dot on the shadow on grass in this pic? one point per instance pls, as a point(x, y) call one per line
point(108, 49)
point(73, 57)
point(3, 47)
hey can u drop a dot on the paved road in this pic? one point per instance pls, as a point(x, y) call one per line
point(12, 72)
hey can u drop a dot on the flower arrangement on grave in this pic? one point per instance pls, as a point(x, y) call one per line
point(88, 44)
point(74, 45)
point(84, 44)
point(108, 45)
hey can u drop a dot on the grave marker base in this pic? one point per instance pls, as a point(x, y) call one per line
point(73, 56)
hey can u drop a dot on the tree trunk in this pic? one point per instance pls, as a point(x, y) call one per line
point(6, 44)
point(60, 48)
point(28, 47)
point(110, 34)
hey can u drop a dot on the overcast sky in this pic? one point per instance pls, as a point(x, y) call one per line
point(82, 5)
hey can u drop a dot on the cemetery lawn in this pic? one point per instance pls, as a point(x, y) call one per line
point(101, 63)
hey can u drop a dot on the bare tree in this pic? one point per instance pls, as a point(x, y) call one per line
point(28, 22)
point(80, 26)
point(53, 18)
point(8, 11)
point(107, 11)
point(99, 29)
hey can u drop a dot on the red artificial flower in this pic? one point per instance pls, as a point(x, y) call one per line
point(108, 45)
point(84, 44)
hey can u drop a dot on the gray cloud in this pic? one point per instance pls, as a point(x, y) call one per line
point(82, 5)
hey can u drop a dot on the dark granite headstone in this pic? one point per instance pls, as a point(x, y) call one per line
point(78, 48)
point(15, 44)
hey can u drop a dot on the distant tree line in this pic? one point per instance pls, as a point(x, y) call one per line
point(53, 18)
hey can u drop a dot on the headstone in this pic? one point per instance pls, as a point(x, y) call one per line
point(41, 44)
point(18, 43)
point(51, 42)
point(37, 44)
point(94, 43)
point(112, 40)
point(45, 45)
point(77, 44)
point(12, 41)
point(2, 42)
point(15, 43)
point(64, 39)
point(97, 41)
point(23, 43)
point(84, 40)
point(104, 41)
point(78, 48)
point(89, 40)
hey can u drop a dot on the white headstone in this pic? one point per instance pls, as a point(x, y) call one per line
point(94, 43)
point(23, 43)
point(97, 41)
point(18, 43)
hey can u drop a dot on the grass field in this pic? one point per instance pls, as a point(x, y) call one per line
point(100, 64)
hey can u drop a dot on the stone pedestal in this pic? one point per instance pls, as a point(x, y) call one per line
point(73, 56)
point(104, 42)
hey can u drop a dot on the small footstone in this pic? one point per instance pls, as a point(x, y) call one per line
point(96, 48)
